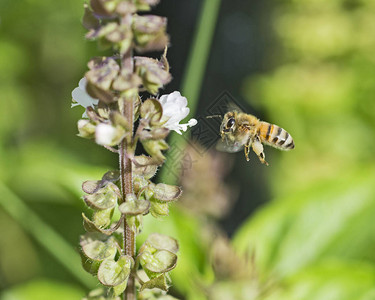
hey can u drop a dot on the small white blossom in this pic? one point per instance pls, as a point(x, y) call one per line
point(175, 109)
point(105, 134)
point(82, 98)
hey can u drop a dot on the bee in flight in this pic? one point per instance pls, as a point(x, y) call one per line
point(240, 130)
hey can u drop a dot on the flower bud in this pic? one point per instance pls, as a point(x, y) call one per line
point(159, 209)
point(154, 148)
point(86, 129)
point(103, 8)
point(107, 135)
point(149, 33)
point(112, 34)
point(144, 5)
point(103, 70)
point(152, 73)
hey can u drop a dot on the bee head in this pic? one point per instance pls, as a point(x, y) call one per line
point(228, 124)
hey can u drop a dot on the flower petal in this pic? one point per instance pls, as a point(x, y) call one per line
point(81, 97)
point(104, 134)
point(175, 110)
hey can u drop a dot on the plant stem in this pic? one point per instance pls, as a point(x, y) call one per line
point(126, 176)
point(127, 188)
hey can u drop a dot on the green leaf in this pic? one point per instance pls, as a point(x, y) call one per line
point(42, 289)
point(326, 220)
point(329, 280)
point(114, 273)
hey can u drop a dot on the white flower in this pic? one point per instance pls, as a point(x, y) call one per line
point(80, 96)
point(175, 109)
point(105, 134)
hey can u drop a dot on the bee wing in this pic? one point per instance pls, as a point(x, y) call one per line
point(228, 146)
point(231, 106)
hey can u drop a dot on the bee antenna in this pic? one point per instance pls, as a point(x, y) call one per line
point(214, 116)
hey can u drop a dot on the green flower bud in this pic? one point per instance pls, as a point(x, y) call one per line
point(154, 264)
point(115, 274)
point(104, 8)
point(101, 294)
point(135, 223)
point(145, 5)
point(161, 241)
point(159, 209)
point(144, 166)
point(151, 110)
point(154, 148)
point(127, 82)
point(159, 282)
point(86, 129)
point(103, 70)
point(96, 248)
point(139, 183)
point(133, 206)
point(89, 21)
point(149, 33)
point(166, 192)
point(152, 72)
point(112, 34)
point(97, 225)
point(103, 218)
point(126, 7)
point(104, 198)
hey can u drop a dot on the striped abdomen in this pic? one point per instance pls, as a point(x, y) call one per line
point(275, 136)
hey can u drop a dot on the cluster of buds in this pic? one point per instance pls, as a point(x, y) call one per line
point(108, 91)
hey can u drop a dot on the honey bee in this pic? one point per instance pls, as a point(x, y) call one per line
point(240, 130)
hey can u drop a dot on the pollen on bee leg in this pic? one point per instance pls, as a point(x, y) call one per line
point(258, 149)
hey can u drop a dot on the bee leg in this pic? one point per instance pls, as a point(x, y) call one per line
point(258, 149)
point(247, 149)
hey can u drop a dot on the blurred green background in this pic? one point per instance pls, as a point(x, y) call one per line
point(302, 228)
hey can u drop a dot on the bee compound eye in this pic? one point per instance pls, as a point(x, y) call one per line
point(230, 122)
